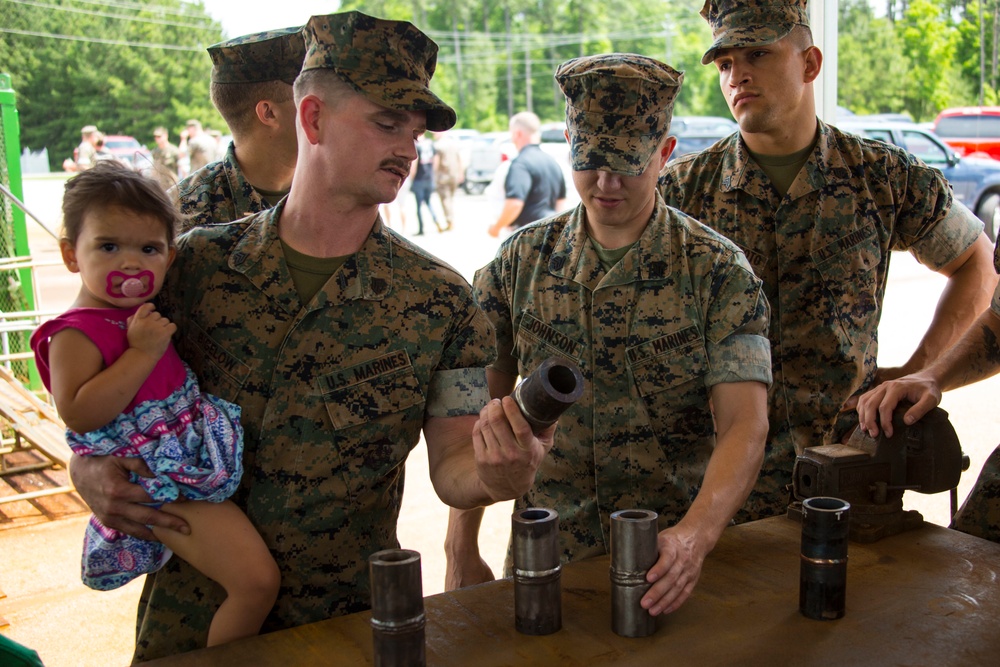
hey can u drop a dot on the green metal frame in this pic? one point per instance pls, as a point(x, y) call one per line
point(10, 175)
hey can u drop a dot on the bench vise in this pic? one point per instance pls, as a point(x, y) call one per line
point(872, 473)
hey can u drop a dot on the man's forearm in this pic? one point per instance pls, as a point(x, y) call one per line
point(975, 357)
point(966, 295)
point(462, 538)
point(511, 209)
point(734, 466)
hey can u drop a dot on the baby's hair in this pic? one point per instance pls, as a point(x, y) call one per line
point(108, 184)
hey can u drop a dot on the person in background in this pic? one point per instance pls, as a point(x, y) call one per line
point(101, 152)
point(449, 173)
point(165, 156)
point(83, 157)
point(818, 212)
point(220, 150)
point(196, 146)
point(535, 187)
point(251, 88)
point(667, 323)
point(422, 183)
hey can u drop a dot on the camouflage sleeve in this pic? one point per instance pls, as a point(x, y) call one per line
point(458, 385)
point(931, 223)
point(491, 292)
point(736, 326)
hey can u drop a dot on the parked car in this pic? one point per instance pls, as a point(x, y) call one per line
point(970, 130)
point(485, 156)
point(696, 133)
point(128, 150)
point(975, 181)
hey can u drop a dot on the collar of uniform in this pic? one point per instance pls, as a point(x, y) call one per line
point(245, 197)
point(366, 275)
point(574, 258)
point(825, 166)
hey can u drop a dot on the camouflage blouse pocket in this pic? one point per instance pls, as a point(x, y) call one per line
point(672, 386)
point(219, 372)
point(371, 391)
point(849, 270)
point(536, 341)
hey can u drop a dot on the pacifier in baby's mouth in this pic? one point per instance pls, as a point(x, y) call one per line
point(126, 286)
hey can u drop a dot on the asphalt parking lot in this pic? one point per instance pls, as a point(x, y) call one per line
point(48, 608)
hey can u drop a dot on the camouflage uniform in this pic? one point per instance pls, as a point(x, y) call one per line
point(823, 254)
point(822, 250)
point(219, 192)
point(334, 392)
point(216, 194)
point(980, 513)
point(679, 313)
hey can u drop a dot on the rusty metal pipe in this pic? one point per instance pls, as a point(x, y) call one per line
point(633, 552)
point(555, 385)
point(823, 570)
point(537, 586)
point(397, 608)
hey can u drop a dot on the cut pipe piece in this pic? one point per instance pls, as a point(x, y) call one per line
point(551, 388)
point(397, 608)
point(823, 570)
point(537, 571)
point(633, 552)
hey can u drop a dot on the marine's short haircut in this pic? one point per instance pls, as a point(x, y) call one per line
point(237, 102)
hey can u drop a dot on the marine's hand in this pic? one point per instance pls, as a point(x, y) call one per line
point(886, 373)
point(676, 571)
point(876, 406)
point(149, 331)
point(466, 571)
point(507, 452)
point(103, 483)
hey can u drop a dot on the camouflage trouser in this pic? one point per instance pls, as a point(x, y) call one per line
point(980, 513)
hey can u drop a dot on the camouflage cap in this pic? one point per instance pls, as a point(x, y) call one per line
point(740, 23)
point(389, 62)
point(88, 129)
point(275, 55)
point(618, 108)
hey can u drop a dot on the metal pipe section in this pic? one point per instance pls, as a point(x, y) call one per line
point(397, 608)
point(633, 552)
point(555, 385)
point(537, 585)
point(823, 572)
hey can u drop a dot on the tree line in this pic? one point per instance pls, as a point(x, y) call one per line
point(129, 66)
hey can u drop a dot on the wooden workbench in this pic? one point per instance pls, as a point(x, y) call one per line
point(926, 597)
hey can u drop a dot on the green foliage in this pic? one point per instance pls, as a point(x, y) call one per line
point(871, 74)
point(499, 57)
point(74, 64)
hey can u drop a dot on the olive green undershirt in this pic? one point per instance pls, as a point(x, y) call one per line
point(310, 273)
point(609, 257)
point(271, 197)
point(782, 169)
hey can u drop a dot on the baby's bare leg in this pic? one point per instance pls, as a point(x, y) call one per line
point(224, 546)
